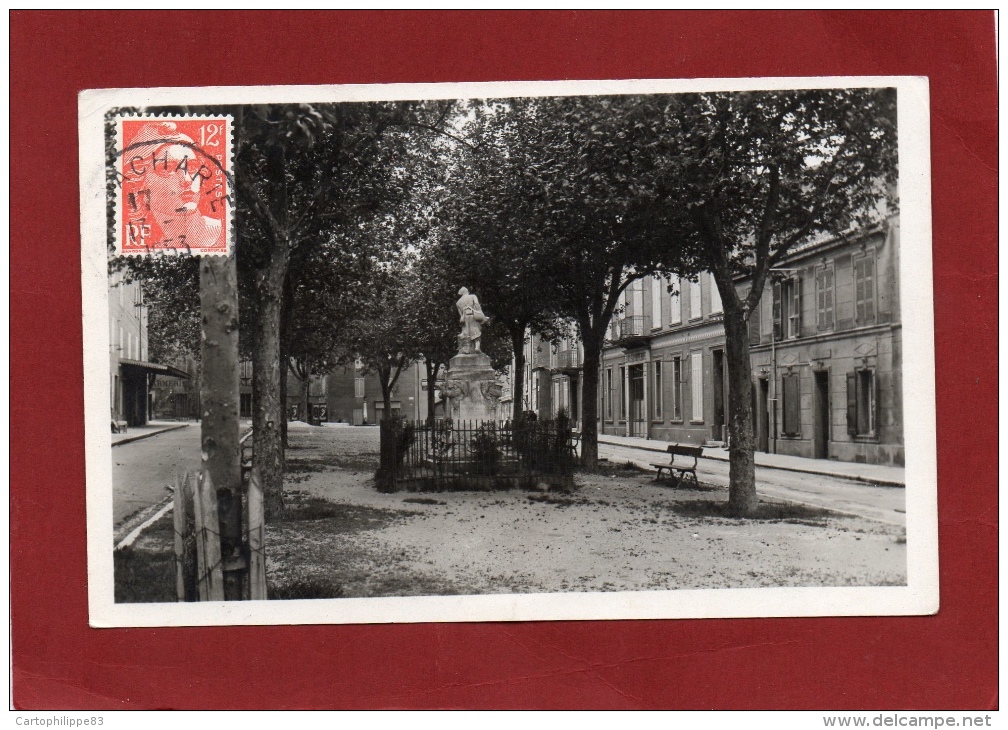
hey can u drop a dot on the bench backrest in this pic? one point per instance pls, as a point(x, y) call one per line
point(684, 450)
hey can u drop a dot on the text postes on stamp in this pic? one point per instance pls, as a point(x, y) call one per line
point(174, 180)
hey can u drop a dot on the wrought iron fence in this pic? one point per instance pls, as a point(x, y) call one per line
point(478, 455)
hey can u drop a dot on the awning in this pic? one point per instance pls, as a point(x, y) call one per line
point(154, 367)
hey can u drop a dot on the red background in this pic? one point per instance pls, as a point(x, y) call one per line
point(943, 661)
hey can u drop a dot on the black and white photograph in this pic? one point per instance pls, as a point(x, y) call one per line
point(508, 351)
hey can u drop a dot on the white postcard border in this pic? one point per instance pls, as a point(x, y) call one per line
point(919, 596)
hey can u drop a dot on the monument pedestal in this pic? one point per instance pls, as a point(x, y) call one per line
point(472, 388)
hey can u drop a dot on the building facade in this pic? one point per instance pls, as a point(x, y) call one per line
point(663, 372)
point(132, 397)
point(825, 351)
point(347, 395)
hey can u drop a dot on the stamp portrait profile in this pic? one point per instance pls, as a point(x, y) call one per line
point(173, 185)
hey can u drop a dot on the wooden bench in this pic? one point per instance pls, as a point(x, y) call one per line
point(119, 426)
point(685, 451)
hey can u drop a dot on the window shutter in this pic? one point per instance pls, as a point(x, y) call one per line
point(777, 330)
point(796, 306)
point(852, 403)
point(869, 290)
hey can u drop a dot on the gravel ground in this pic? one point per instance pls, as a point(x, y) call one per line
point(616, 531)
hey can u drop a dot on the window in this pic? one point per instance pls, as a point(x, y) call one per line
point(715, 296)
point(695, 312)
point(755, 322)
point(696, 386)
point(608, 394)
point(824, 298)
point(791, 404)
point(622, 400)
point(864, 290)
point(637, 298)
point(861, 403)
point(675, 302)
point(677, 389)
point(787, 308)
point(657, 286)
point(535, 391)
point(659, 395)
point(358, 387)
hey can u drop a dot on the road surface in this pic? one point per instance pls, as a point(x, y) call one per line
point(142, 469)
point(882, 504)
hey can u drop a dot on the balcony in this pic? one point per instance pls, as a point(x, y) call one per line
point(629, 332)
point(568, 360)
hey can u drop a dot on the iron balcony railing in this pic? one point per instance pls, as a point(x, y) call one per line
point(568, 359)
point(627, 328)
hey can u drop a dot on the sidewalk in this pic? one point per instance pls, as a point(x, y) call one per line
point(151, 428)
point(881, 474)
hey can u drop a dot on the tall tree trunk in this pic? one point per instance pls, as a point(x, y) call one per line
point(286, 325)
point(268, 417)
point(518, 376)
point(283, 403)
point(589, 400)
point(219, 397)
point(385, 378)
point(742, 467)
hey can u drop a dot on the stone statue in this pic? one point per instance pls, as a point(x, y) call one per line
point(472, 318)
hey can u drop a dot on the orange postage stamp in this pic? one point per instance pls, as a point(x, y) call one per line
point(174, 183)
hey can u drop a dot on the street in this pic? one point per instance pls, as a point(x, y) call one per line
point(141, 470)
point(882, 504)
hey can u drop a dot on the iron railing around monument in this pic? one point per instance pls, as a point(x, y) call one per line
point(449, 455)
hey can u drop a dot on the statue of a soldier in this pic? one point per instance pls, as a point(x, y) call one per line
point(472, 318)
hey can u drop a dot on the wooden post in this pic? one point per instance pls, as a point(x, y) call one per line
point(219, 395)
point(179, 513)
point(211, 581)
point(201, 562)
point(256, 527)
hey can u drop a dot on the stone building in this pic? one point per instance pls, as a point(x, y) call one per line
point(826, 356)
point(132, 399)
point(347, 395)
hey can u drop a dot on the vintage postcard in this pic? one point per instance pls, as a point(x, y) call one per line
point(509, 351)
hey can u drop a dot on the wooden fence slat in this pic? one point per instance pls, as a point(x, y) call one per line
point(179, 514)
point(200, 541)
point(256, 527)
point(211, 575)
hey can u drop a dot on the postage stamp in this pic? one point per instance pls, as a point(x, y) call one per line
point(173, 185)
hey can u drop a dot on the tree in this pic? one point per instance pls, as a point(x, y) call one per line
point(598, 213)
point(316, 168)
point(379, 337)
point(747, 176)
point(489, 225)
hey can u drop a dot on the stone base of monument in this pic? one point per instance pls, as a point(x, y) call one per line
point(472, 388)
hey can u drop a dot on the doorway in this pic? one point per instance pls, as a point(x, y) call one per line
point(821, 430)
point(638, 424)
point(719, 432)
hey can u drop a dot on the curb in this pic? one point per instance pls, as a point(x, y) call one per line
point(817, 472)
point(131, 439)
